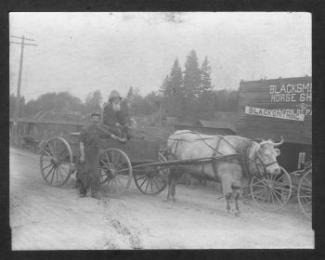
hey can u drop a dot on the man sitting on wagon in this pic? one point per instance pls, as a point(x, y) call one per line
point(88, 168)
point(116, 115)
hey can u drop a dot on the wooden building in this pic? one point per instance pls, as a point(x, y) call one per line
point(273, 108)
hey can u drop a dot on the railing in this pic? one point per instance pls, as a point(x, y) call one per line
point(40, 130)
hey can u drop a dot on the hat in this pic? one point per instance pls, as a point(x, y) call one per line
point(114, 94)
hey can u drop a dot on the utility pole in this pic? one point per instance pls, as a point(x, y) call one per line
point(17, 105)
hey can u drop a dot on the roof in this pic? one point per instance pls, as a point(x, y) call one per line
point(217, 124)
point(54, 122)
point(244, 82)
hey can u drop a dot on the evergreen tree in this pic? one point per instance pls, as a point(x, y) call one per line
point(205, 102)
point(192, 81)
point(165, 87)
point(130, 94)
point(130, 100)
point(176, 79)
point(176, 89)
point(192, 76)
point(172, 89)
point(205, 76)
point(163, 90)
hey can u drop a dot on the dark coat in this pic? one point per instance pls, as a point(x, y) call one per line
point(111, 117)
point(88, 172)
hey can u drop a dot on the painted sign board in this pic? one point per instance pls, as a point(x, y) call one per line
point(293, 94)
point(288, 114)
point(276, 107)
point(297, 95)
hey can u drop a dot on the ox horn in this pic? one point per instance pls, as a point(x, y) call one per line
point(279, 143)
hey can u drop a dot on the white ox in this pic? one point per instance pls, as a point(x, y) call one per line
point(184, 144)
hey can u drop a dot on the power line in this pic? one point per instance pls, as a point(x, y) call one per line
point(17, 107)
point(32, 44)
point(18, 37)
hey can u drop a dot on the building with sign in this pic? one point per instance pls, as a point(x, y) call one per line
point(273, 108)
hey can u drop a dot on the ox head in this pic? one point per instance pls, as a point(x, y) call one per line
point(266, 155)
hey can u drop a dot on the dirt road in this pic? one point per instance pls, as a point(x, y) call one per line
point(44, 217)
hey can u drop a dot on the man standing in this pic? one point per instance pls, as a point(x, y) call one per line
point(88, 175)
point(116, 115)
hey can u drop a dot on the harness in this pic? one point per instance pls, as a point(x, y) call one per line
point(243, 153)
point(257, 160)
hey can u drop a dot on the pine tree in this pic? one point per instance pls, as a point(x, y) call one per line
point(164, 88)
point(205, 102)
point(176, 79)
point(192, 81)
point(130, 99)
point(176, 89)
point(172, 89)
point(130, 93)
point(192, 76)
point(205, 76)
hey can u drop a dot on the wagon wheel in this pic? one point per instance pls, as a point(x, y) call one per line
point(116, 170)
point(270, 191)
point(151, 180)
point(56, 161)
point(305, 193)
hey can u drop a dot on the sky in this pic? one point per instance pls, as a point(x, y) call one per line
point(84, 52)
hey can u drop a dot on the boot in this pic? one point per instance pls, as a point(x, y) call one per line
point(82, 190)
point(96, 195)
point(82, 194)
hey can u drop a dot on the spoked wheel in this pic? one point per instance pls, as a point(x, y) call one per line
point(115, 170)
point(305, 193)
point(271, 191)
point(151, 180)
point(56, 161)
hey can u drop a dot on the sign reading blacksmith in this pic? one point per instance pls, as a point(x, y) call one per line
point(297, 93)
point(289, 98)
point(276, 107)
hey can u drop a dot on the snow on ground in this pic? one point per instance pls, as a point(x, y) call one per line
point(45, 217)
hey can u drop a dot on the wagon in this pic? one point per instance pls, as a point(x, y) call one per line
point(139, 159)
point(118, 162)
point(273, 109)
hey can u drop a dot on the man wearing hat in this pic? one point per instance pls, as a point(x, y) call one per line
point(116, 115)
point(90, 140)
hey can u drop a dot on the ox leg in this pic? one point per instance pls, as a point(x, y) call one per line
point(173, 186)
point(227, 190)
point(236, 195)
point(172, 179)
point(228, 198)
point(169, 184)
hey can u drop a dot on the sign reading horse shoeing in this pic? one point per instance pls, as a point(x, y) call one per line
point(289, 99)
point(298, 94)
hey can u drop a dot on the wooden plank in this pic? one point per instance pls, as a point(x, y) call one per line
point(49, 122)
point(138, 150)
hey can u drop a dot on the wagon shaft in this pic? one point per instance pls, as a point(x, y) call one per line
point(188, 161)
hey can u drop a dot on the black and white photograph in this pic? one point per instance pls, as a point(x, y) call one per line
point(160, 130)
